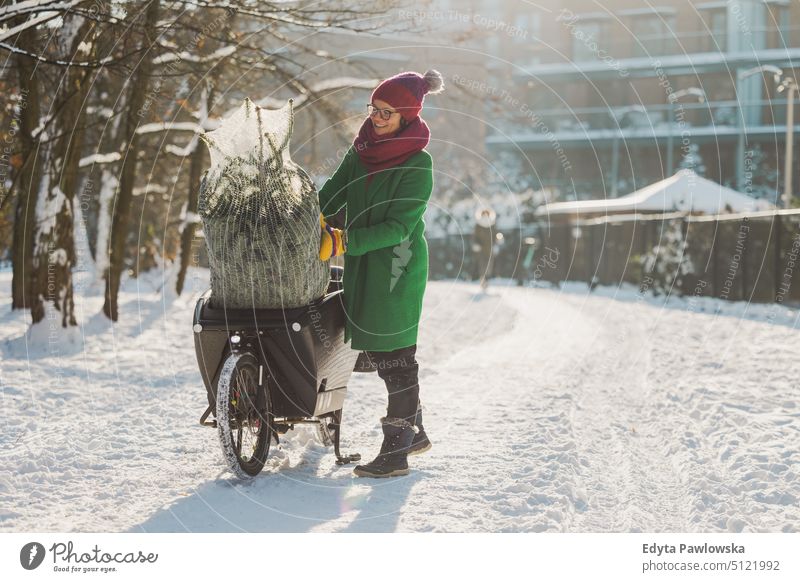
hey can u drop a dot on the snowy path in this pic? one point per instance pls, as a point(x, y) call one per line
point(549, 411)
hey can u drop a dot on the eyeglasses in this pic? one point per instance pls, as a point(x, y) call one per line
point(386, 114)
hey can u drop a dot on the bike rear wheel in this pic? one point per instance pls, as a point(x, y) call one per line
point(244, 419)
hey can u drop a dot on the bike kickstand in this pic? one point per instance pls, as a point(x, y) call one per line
point(341, 459)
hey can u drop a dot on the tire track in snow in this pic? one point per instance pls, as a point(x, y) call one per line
point(727, 406)
point(511, 462)
point(634, 485)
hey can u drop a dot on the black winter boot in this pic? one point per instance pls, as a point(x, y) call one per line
point(391, 461)
point(421, 443)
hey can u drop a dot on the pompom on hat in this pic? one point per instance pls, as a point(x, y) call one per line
point(406, 91)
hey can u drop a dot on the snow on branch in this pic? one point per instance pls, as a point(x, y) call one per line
point(294, 15)
point(183, 152)
point(186, 56)
point(12, 10)
point(89, 64)
point(54, 10)
point(99, 159)
point(341, 83)
point(160, 126)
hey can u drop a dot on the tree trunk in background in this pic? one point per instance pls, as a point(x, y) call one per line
point(190, 224)
point(30, 177)
point(54, 252)
point(195, 172)
point(196, 167)
point(120, 222)
point(108, 186)
point(109, 183)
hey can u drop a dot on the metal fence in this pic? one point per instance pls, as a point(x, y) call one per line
point(751, 257)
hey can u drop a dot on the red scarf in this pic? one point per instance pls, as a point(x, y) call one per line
point(378, 152)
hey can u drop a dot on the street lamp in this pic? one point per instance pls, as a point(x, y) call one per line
point(701, 97)
point(789, 85)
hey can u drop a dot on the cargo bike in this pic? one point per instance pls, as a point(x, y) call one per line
point(267, 370)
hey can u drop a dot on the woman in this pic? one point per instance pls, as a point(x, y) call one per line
point(384, 182)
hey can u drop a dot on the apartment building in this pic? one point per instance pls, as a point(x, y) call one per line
point(606, 97)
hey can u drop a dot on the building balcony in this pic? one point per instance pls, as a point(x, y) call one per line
point(592, 126)
point(631, 45)
point(682, 53)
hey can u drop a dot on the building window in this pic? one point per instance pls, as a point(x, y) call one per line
point(778, 26)
point(716, 21)
point(589, 38)
point(526, 27)
point(651, 35)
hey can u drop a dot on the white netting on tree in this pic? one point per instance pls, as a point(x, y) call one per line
point(260, 214)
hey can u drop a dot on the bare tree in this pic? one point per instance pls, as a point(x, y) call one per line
point(52, 79)
point(138, 87)
point(105, 98)
point(29, 176)
point(54, 251)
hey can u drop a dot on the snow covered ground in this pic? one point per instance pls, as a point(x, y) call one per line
point(550, 410)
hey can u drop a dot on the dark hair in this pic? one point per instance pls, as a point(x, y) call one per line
point(403, 122)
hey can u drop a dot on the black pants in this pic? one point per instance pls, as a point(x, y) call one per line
point(400, 371)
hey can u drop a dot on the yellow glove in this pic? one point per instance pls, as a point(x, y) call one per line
point(333, 241)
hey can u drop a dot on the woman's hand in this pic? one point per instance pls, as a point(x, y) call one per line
point(333, 241)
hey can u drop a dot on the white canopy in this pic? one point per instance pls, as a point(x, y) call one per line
point(685, 191)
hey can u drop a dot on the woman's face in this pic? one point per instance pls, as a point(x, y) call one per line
point(383, 127)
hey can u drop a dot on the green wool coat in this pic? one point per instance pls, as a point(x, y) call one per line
point(386, 262)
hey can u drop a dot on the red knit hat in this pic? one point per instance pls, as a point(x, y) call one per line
point(406, 91)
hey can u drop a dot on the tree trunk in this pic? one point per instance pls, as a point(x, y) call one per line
point(121, 209)
point(195, 172)
point(54, 253)
point(109, 183)
point(190, 224)
point(30, 177)
point(196, 165)
point(108, 186)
